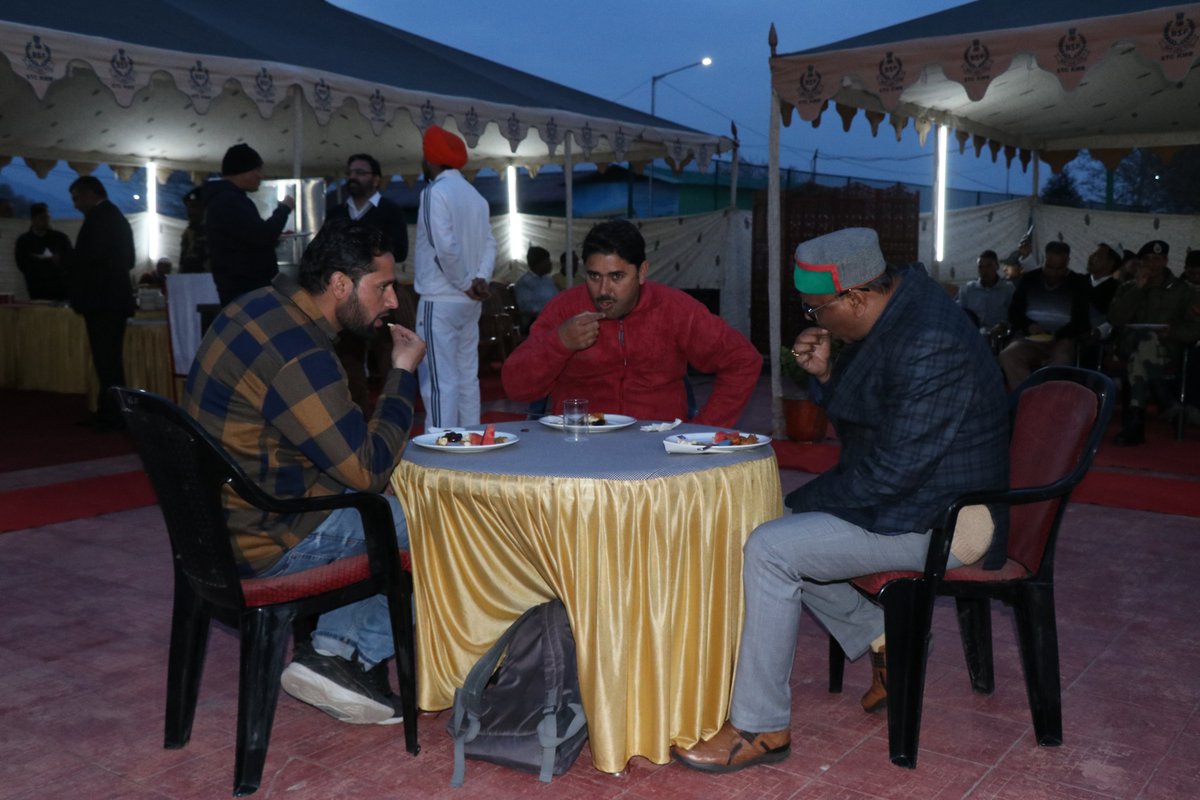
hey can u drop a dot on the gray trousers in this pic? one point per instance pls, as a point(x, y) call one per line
point(798, 560)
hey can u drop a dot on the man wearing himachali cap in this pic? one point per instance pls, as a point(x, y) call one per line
point(452, 262)
point(919, 406)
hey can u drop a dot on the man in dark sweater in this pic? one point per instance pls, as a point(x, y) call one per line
point(241, 244)
point(42, 255)
point(1049, 309)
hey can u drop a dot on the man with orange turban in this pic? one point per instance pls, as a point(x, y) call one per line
point(453, 261)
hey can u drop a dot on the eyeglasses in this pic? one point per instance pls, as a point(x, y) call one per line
point(350, 172)
point(812, 311)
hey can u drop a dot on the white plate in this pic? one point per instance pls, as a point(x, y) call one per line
point(429, 440)
point(703, 443)
point(612, 422)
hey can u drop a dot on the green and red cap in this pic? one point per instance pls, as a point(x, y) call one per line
point(838, 261)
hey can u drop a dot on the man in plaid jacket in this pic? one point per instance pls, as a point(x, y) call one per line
point(267, 383)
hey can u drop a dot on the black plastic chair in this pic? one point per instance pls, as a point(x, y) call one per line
point(1059, 415)
point(189, 470)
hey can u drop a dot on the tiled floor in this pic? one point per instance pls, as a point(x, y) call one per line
point(83, 648)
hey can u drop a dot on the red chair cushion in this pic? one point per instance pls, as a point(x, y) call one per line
point(1012, 570)
point(310, 582)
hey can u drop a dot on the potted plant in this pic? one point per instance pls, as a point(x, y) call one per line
point(804, 420)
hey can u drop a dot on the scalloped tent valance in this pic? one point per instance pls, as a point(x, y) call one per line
point(304, 82)
point(1049, 77)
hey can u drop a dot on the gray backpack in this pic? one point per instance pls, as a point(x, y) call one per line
point(524, 712)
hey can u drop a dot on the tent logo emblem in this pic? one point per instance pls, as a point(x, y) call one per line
point(199, 78)
point(322, 95)
point(891, 72)
point(977, 59)
point(38, 56)
point(1072, 51)
point(810, 84)
point(471, 123)
point(1179, 36)
point(264, 85)
point(427, 114)
point(619, 143)
point(587, 139)
point(551, 136)
point(120, 66)
point(377, 105)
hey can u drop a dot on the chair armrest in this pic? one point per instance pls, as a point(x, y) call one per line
point(942, 536)
point(379, 530)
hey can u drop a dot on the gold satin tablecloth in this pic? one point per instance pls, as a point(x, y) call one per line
point(45, 348)
point(649, 569)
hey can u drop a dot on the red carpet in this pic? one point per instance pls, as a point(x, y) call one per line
point(1103, 487)
point(60, 502)
point(38, 430)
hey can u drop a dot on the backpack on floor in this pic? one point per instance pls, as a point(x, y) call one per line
point(525, 712)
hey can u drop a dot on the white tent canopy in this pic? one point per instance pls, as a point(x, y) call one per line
point(304, 82)
point(1044, 77)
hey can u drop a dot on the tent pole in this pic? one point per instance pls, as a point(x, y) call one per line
point(1036, 176)
point(298, 168)
point(773, 260)
point(569, 178)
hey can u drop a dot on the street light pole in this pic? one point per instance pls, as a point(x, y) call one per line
point(654, 79)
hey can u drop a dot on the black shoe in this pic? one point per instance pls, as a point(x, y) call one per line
point(341, 688)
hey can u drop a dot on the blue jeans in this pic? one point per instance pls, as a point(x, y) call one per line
point(362, 629)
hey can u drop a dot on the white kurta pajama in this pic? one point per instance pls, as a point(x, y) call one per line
point(454, 246)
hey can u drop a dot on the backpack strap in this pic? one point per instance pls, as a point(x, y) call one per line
point(468, 701)
point(547, 730)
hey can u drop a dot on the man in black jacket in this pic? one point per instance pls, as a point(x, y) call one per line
point(241, 245)
point(100, 290)
point(1049, 310)
point(364, 179)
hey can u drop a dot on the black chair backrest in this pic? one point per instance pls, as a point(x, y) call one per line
point(188, 470)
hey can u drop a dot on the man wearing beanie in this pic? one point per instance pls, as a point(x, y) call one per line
point(241, 244)
point(452, 262)
point(1155, 318)
point(919, 406)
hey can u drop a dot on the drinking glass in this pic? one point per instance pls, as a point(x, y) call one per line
point(575, 419)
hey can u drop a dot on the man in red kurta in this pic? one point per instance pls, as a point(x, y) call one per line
point(624, 343)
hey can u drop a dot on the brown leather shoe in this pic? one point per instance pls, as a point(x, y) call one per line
point(732, 749)
point(876, 697)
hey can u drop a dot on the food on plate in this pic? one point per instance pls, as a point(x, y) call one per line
point(596, 419)
point(468, 439)
point(734, 438)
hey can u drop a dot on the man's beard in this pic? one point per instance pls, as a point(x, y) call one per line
point(353, 318)
point(359, 190)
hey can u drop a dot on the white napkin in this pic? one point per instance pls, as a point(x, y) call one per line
point(662, 426)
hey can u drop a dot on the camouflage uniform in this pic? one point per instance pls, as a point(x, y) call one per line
point(1150, 355)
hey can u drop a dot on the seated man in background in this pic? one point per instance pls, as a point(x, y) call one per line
point(536, 287)
point(987, 298)
point(268, 385)
point(1155, 297)
point(919, 406)
point(624, 342)
point(1049, 310)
